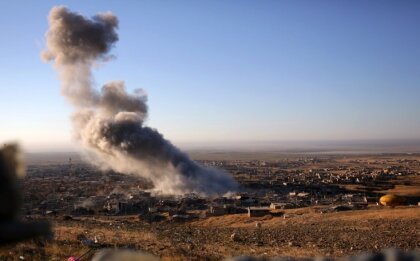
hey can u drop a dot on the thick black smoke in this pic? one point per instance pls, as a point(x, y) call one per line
point(110, 122)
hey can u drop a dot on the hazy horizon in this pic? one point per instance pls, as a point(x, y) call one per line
point(374, 146)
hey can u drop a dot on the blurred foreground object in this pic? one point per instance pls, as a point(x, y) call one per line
point(123, 255)
point(392, 200)
point(11, 228)
point(385, 255)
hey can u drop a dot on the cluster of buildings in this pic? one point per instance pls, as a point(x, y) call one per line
point(80, 189)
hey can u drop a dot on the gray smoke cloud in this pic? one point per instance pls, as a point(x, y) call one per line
point(110, 122)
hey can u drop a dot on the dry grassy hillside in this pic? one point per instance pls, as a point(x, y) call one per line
point(299, 233)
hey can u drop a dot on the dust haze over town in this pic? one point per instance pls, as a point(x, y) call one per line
point(212, 131)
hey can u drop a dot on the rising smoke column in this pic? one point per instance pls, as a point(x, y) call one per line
point(110, 122)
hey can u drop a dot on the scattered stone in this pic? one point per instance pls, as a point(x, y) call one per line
point(234, 237)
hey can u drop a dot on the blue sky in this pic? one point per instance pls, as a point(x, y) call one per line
point(237, 71)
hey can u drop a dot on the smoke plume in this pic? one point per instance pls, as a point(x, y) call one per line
point(110, 122)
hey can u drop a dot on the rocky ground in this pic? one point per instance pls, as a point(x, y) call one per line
point(297, 233)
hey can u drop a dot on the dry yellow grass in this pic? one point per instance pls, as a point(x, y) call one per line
point(305, 215)
point(316, 235)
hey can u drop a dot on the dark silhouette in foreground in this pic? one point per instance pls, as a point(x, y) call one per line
point(12, 229)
